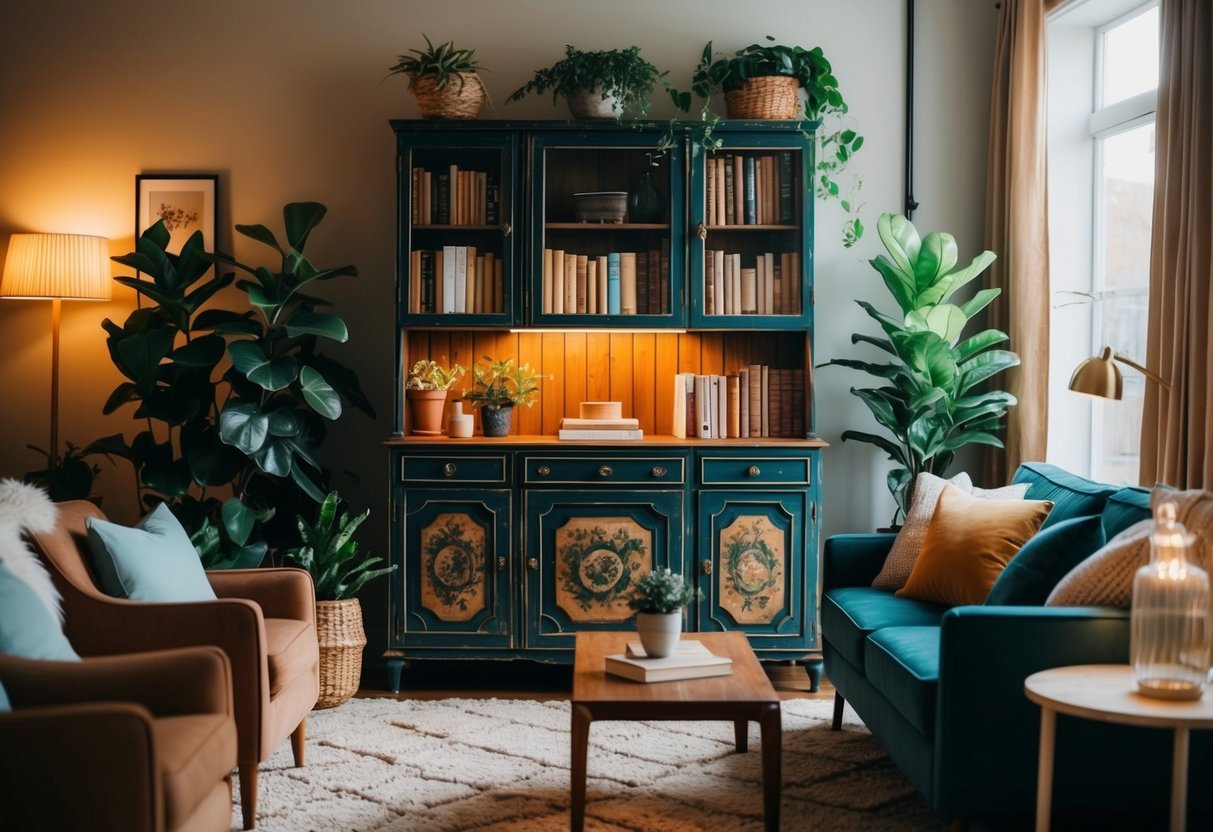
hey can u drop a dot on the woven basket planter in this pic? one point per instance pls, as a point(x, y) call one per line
point(462, 97)
point(339, 630)
point(768, 96)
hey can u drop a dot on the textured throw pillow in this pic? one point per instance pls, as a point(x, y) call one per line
point(969, 542)
point(1106, 578)
point(27, 628)
point(1045, 559)
point(154, 561)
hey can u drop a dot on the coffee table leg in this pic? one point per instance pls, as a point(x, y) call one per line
point(772, 765)
point(741, 735)
point(1044, 768)
point(581, 741)
point(1179, 780)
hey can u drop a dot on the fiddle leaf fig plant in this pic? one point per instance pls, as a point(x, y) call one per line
point(928, 397)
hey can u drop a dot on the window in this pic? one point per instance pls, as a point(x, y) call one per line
point(1103, 70)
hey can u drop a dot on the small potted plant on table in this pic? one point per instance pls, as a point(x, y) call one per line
point(497, 388)
point(426, 391)
point(443, 79)
point(658, 600)
point(604, 84)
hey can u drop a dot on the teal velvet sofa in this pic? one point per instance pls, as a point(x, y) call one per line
point(942, 689)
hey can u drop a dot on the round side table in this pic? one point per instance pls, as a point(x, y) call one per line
point(1108, 693)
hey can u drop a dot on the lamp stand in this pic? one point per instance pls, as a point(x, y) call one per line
point(53, 458)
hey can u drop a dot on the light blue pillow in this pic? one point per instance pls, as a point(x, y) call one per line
point(27, 628)
point(154, 561)
point(1045, 559)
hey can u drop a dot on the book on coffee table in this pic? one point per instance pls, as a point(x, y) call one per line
point(692, 661)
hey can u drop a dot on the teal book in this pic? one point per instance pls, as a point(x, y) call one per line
point(613, 283)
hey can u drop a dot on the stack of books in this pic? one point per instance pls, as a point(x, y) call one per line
point(691, 660)
point(608, 429)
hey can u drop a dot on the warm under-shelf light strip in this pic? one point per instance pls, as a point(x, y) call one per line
point(607, 330)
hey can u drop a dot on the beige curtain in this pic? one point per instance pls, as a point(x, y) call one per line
point(1017, 229)
point(1177, 428)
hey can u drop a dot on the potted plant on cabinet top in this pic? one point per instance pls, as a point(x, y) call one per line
point(497, 388)
point(443, 79)
point(928, 403)
point(658, 599)
point(426, 391)
point(604, 84)
point(329, 552)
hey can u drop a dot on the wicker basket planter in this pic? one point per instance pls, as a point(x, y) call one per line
point(767, 96)
point(462, 97)
point(339, 630)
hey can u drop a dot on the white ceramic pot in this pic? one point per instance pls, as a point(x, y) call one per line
point(659, 632)
point(590, 104)
point(461, 424)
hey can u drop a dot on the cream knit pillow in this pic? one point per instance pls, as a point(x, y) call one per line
point(1106, 577)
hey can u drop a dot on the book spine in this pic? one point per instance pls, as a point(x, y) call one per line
point(755, 400)
point(720, 190)
point(665, 276)
point(591, 285)
point(718, 270)
point(461, 278)
point(602, 284)
point(679, 422)
point(547, 281)
point(766, 400)
point(582, 265)
point(703, 408)
point(730, 216)
point(709, 282)
point(453, 195)
point(749, 292)
point(743, 384)
point(558, 281)
point(449, 256)
point(570, 283)
point(492, 204)
point(734, 383)
point(768, 260)
point(642, 283)
point(751, 215)
point(786, 208)
point(709, 195)
point(442, 214)
point(776, 419)
point(654, 281)
point(613, 288)
point(627, 283)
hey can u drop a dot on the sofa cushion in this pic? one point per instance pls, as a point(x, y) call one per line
point(1045, 559)
point(969, 542)
point(195, 752)
point(850, 614)
point(1125, 507)
point(154, 561)
point(1071, 495)
point(903, 664)
point(290, 649)
point(900, 561)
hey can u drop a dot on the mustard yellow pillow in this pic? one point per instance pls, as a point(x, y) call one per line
point(968, 544)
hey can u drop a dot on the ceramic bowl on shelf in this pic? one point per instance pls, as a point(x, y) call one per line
point(600, 206)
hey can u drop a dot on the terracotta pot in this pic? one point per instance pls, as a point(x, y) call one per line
point(659, 632)
point(496, 420)
point(426, 407)
point(342, 637)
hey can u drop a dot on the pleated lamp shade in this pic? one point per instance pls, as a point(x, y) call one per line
point(64, 266)
point(1098, 376)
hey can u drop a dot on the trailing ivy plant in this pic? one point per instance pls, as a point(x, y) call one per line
point(235, 403)
point(622, 74)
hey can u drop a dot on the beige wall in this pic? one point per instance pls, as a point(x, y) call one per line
point(284, 99)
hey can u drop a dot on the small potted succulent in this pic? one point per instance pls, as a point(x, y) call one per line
point(658, 599)
point(443, 79)
point(426, 391)
point(497, 389)
point(604, 84)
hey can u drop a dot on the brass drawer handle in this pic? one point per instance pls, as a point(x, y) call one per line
point(532, 564)
point(543, 470)
point(605, 471)
point(506, 230)
point(705, 566)
point(500, 563)
point(658, 471)
point(449, 469)
point(702, 231)
point(753, 471)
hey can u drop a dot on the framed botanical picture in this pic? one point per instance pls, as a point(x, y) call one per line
point(185, 202)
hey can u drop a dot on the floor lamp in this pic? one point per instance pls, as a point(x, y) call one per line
point(1098, 376)
point(59, 267)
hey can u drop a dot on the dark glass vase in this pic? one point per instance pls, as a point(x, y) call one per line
point(646, 203)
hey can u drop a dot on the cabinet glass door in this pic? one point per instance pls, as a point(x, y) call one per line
point(456, 214)
point(752, 214)
point(585, 550)
point(607, 249)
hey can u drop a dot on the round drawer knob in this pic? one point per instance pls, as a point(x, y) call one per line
point(605, 471)
point(500, 563)
point(753, 471)
point(658, 471)
point(532, 564)
point(543, 470)
point(449, 469)
point(705, 566)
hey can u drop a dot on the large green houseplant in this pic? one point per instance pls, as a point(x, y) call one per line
point(931, 397)
point(603, 84)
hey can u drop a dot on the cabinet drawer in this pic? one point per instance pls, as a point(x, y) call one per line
point(452, 468)
point(588, 470)
point(745, 470)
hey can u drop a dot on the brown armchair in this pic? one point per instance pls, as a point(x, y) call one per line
point(264, 620)
point(138, 743)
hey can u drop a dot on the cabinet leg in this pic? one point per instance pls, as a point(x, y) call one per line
point(813, 668)
point(395, 667)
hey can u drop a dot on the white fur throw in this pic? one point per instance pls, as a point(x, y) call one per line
point(26, 507)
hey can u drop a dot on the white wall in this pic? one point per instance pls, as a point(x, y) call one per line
point(284, 99)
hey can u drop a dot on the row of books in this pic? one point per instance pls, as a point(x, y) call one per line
point(454, 197)
point(455, 280)
point(750, 189)
point(618, 283)
point(770, 287)
point(599, 429)
point(757, 400)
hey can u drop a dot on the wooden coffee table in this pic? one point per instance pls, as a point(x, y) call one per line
point(742, 697)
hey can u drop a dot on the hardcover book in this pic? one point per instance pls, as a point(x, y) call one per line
point(668, 669)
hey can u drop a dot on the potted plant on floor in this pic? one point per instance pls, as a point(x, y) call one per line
point(329, 552)
point(426, 391)
point(604, 84)
point(443, 79)
point(933, 401)
point(497, 389)
point(658, 599)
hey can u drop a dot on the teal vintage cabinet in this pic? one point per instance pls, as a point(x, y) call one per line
point(509, 546)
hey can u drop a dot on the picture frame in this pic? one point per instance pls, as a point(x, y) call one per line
point(187, 202)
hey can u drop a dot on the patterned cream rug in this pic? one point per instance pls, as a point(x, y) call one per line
point(502, 765)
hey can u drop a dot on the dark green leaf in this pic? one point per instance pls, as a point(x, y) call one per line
point(318, 394)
